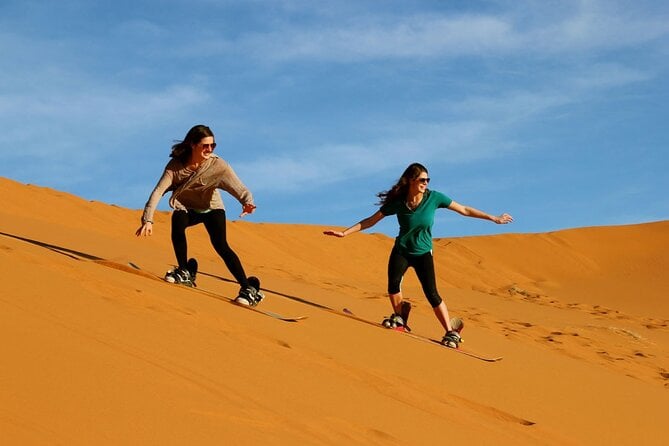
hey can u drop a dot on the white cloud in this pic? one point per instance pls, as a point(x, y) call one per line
point(315, 167)
point(602, 25)
point(533, 29)
point(516, 105)
point(140, 28)
point(91, 112)
point(49, 84)
point(512, 106)
point(608, 75)
point(418, 36)
point(475, 128)
point(312, 167)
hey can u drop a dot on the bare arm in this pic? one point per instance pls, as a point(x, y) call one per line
point(469, 211)
point(360, 226)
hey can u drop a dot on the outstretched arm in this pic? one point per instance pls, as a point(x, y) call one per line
point(469, 211)
point(146, 229)
point(360, 226)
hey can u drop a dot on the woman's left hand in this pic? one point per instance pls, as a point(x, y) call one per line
point(503, 219)
point(247, 209)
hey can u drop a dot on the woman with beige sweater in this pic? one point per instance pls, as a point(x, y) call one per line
point(194, 175)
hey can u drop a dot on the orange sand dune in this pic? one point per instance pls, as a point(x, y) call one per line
point(96, 352)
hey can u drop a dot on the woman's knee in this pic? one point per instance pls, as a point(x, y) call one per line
point(434, 299)
point(221, 246)
point(179, 222)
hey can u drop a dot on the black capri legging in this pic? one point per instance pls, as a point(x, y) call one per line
point(398, 263)
point(214, 221)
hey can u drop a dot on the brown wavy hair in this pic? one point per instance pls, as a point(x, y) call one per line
point(401, 188)
point(182, 149)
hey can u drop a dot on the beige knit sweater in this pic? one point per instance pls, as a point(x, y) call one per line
point(197, 189)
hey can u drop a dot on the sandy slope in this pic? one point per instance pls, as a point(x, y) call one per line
point(99, 355)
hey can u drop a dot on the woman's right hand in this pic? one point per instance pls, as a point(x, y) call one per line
point(334, 233)
point(145, 229)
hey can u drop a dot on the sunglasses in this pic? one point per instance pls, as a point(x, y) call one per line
point(423, 180)
point(211, 146)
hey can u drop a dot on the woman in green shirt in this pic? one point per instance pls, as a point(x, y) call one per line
point(415, 205)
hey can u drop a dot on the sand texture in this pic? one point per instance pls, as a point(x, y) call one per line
point(97, 352)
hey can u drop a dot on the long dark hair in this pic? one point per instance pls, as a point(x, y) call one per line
point(182, 149)
point(401, 188)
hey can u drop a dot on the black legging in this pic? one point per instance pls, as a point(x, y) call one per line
point(214, 221)
point(423, 265)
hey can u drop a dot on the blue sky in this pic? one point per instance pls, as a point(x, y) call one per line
point(553, 111)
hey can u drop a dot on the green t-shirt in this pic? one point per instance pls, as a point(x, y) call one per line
point(415, 237)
